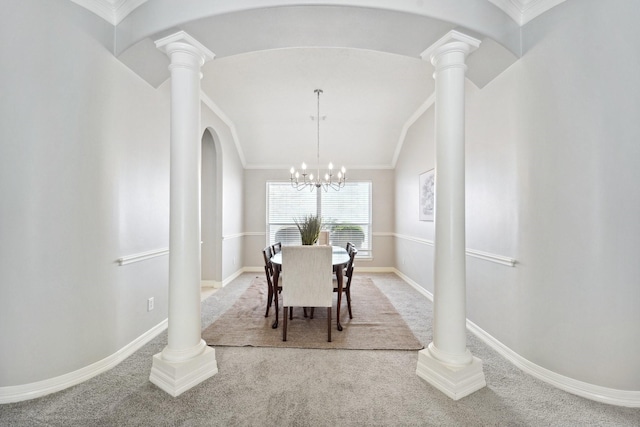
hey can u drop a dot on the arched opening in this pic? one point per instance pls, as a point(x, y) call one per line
point(210, 212)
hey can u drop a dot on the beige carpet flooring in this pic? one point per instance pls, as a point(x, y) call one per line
point(376, 324)
point(262, 386)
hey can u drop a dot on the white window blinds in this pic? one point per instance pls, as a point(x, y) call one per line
point(346, 214)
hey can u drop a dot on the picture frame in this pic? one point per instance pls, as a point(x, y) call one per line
point(426, 196)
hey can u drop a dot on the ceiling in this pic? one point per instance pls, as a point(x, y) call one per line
point(367, 97)
point(366, 59)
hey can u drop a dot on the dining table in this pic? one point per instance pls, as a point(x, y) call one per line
point(339, 259)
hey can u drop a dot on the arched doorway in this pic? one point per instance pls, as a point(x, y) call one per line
point(210, 211)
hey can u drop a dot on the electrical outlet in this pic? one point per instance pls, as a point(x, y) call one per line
point(150, 304)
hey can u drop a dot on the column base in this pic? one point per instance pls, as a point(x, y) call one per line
point(177, 377)
point(454, 381)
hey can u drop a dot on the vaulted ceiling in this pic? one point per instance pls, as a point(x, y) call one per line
point(271, 55)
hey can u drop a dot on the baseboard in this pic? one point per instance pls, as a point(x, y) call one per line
point(362, 269)
point(231, 278)
point(210, 284)
point(359, 267)
point(593, 392)
point(22, 392)
point(252, 270)
point(414, 284)
point(607, 395)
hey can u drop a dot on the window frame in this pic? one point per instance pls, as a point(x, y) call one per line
point(363, 252)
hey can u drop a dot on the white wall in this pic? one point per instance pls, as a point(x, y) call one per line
point(382, 207)
point(551, 163)
point(231, 200)
point(414, 244)
point(210, 211)
point(577, 154)
point(84, 163)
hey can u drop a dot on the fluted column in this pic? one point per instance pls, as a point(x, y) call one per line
point(186, 360)
point(447, 363)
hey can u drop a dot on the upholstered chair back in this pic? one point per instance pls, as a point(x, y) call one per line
point(308, 274)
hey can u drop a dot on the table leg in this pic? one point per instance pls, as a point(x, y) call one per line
point(276, 280)
point(339, 276)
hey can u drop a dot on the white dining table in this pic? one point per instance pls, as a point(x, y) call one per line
point(339, 258)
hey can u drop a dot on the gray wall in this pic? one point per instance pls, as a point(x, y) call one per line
point(84, 163)
point(414, 238)
point(230, 197)
point(382, 206)
point(551, 163)
point(551, 181)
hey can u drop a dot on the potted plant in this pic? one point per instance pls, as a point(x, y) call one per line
point(341, 234)
point(309, 227)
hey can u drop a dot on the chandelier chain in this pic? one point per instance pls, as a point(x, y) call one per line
point(302, 180)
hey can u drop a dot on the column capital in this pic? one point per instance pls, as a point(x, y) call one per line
point(183, 42)
point(453, 41)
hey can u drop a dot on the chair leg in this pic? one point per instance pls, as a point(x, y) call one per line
point(349, 303)
point(269, 301)
point(329, 323)
point(290, 313)
point(284, 323)
point(275, 297)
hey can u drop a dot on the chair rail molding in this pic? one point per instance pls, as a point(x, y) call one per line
point(142, 256)
point(499, 259)
point(383, 234)
point(240, 235)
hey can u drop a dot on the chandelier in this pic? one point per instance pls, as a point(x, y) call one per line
point(303, 179)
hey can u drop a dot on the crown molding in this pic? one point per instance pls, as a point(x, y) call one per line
point(405, 128)
point(112, 11)
point(523, 11)
point(227, 121)
point(261, 166)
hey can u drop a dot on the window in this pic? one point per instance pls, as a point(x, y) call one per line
point(346, 214)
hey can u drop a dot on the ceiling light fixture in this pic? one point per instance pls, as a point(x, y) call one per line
point(302, 180)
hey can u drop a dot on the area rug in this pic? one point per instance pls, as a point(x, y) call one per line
point(376, 325)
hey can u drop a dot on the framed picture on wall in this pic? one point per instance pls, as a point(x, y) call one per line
point(427, 195)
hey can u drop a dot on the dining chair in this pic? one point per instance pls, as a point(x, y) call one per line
point(273, 289)
point(308, 282)
point(348, 273)
point(349, 246)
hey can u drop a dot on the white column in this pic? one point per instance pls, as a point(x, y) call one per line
point(446, 363)
point(186, 360)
